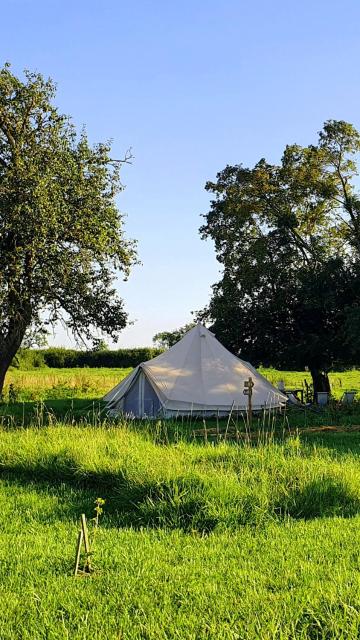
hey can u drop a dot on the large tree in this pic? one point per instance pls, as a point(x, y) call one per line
point(288, 238)
point(61, 234)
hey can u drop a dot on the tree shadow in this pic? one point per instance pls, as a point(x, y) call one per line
point(322, 498)
point(48, 412)
point(186, 502)
point(340, 443)
point(170, 504)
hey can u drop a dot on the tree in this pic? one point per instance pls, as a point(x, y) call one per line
point(35, 337)
point(288, 238)
point(167, 339)
point(61, 234)
point(99, 345)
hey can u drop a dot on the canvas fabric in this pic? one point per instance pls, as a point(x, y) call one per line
point(197, 375)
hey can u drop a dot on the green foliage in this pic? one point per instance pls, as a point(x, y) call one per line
point(288, 238)
point(225, 542)
point(59, 358)
point(61, 234)
point(99, 345)
point(167, 339)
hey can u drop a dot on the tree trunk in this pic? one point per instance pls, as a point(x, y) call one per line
point(320, 380)
point(8, 350)
point(5, 363)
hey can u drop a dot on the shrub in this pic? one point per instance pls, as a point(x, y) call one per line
point(61, 358)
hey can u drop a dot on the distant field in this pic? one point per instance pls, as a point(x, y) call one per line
point(340, 381)
point(196, 542)
point(45, 384)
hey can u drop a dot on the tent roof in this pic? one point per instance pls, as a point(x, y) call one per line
point(199, 372)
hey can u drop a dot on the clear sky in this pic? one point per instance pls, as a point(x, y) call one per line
point(191, 86)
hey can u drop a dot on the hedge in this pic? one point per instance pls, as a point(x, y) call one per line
point(61, 358)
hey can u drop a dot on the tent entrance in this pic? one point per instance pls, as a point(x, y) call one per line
point(141, 400)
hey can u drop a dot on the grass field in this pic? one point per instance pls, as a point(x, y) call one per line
point(57, 384)
point(45, 384)
point(75, 394)
point(258, 540)
point(219, 542)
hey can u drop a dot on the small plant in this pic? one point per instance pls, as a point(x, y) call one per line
point(13, 393)
point(84, 539)
point(99, 503)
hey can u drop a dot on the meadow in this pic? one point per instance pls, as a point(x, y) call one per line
point(197, 540)
point(51, 383)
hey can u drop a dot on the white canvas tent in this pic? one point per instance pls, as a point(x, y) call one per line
point(196, 376)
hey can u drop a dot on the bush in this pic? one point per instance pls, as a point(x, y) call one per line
point(60, 358)
point(29, 359)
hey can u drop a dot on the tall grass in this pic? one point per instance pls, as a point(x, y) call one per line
point(186, 486)
point(44, 384)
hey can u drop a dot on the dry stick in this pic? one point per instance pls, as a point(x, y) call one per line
point(87, 565)
point(236, 425)
point(78, 552)
point(229, 418)
point(205, 432)
point(247, 437)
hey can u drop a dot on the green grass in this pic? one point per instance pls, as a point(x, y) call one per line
point(198, 541)
point(56, 384)
point(219, 542)
point(339, 381)
point(72, 395)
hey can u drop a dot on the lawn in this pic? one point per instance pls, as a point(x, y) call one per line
point(215, 542)
point(257, 539)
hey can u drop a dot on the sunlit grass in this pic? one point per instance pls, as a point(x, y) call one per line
point(45, 384)
point(339, 381)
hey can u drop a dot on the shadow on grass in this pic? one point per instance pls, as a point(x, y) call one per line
point(38, 413)
point(178, 504)
point(323, 498)
point(342, 442)
point(188, 502)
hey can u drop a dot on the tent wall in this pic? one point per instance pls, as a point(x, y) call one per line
point(141, 399)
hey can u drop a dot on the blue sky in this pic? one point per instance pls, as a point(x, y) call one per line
point(191, 86)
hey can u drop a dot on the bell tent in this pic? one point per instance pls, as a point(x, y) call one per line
point(196, 376)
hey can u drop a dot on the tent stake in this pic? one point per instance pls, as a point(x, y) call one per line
point(229, 418)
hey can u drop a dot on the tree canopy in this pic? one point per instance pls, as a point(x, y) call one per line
point(167, 339)
point(61, 235)
point(288, 238)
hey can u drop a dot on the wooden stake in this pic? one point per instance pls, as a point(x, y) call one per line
point(205, 432)
point(87, 565)
point(251, 384)
point(78, 552)
point(248, 391)
point(229, 418)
